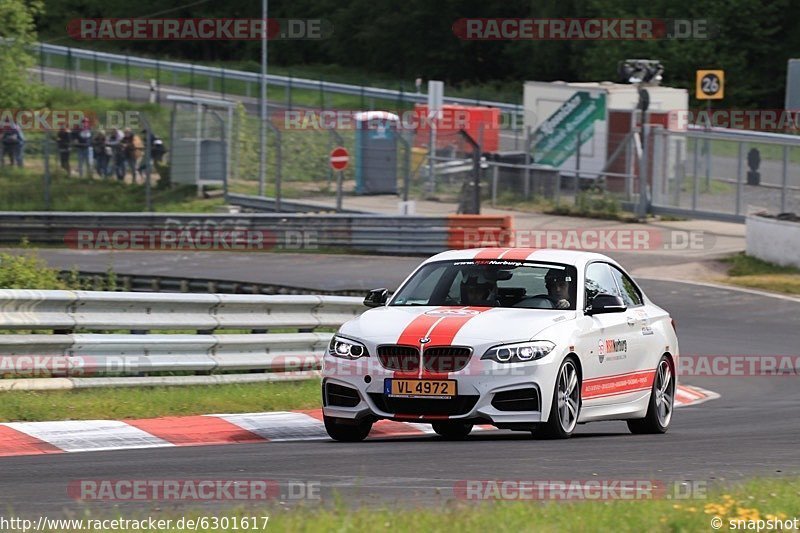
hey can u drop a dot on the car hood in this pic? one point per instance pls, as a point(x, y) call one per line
point(451, 325)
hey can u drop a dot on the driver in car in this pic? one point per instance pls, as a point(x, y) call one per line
point(558, 288)
point(477, 290)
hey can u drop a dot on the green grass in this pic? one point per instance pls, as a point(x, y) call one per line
point(767, 499)
point(23, 190)
point(151, 402)
point(751, 272)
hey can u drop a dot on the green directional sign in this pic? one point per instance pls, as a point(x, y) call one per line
point(556, 138)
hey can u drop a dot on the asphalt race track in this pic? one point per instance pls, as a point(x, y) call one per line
point(752, 430)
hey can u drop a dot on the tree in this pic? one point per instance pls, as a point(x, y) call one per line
point(18, 32)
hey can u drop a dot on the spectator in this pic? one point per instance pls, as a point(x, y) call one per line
point(83, 142)
point(114, 143)
point(157, 150)
point(102, 154)
point(13, 142)
point(132, 148)
point(63, 141)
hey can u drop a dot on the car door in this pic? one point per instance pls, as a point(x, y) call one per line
point(643, 346)
point(607, 342)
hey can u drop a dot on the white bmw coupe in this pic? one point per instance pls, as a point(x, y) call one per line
point(522, 339)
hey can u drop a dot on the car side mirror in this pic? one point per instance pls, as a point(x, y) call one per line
point(376, 297)
point(605, 303)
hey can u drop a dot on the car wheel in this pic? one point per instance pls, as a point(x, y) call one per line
point(346, 432)
point(452, 430)
point(566, 404)
point(662, 402)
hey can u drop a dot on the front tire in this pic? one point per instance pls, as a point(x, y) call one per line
point(662, 402)
point(346, 432)
point(566, 405)
point(452, 430)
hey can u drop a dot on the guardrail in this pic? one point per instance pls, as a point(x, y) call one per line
point(84, 338)
point(410, 235)
point(254, 77)
point(98, 280)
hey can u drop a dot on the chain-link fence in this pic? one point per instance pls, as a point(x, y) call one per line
point(725, 174)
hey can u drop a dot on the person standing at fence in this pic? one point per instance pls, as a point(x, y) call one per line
point(63, 141)
point(102, 154)
point(132, 148)
point(157, 150)
point(12, 144)
point(83, 142)
point(114, 142)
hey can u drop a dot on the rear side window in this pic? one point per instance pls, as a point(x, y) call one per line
point(599, 280)
point(629, 292)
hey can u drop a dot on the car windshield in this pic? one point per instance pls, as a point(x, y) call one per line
point(494, 283)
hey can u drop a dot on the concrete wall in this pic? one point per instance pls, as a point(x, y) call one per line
point(776, 241)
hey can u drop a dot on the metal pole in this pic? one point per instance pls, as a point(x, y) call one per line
point(526, 186)
point(158, 82)
point(739, 179)
point(94, 69)
point(41, 62)
point(198, 145)
point(46, 153)
point(128, 77)
point(577, 165)
point(695, 177)
point(785, 178)
point(262, 161)
point(148, 196)
point(339, 177)
point(643, 168)
point(495, 177)
point(431, 157)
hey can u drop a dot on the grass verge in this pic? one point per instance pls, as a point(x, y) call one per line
point(766, 499)
point(151, 402)
point(751, 272)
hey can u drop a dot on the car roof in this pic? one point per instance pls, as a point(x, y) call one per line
point(568, 257)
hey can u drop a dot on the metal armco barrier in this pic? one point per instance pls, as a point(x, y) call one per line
point(85, 339)
point(411, 235)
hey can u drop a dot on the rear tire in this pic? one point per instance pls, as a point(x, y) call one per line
point(452, 430)
point(346, 432)
point(661, 405)
point(566, 405)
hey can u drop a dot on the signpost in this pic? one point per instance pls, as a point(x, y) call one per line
point(710, 85)
point(339, 160)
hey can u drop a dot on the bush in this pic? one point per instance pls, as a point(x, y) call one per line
point(28, 271)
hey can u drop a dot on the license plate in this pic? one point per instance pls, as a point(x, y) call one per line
point(420, 388)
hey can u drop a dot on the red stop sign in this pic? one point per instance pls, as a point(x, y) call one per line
point(339, 158)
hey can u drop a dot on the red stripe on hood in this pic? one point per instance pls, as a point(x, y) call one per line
point(518, 254)
point(489, 253)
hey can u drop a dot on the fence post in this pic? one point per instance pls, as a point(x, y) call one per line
point(128, 77)
point(41, 62)
point(46, 153)
point(739, 183)
point(785, 178)
point(695, 177)
point(708, 164)
point(406, 164)
point(526, 186)
point(278, 164)
point(94, 70)
point(577, 165)
point(158, 82)
point(495, 178)
point(191, 80)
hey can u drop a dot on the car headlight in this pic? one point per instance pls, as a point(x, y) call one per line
point(346, 348)
point(519, 352)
